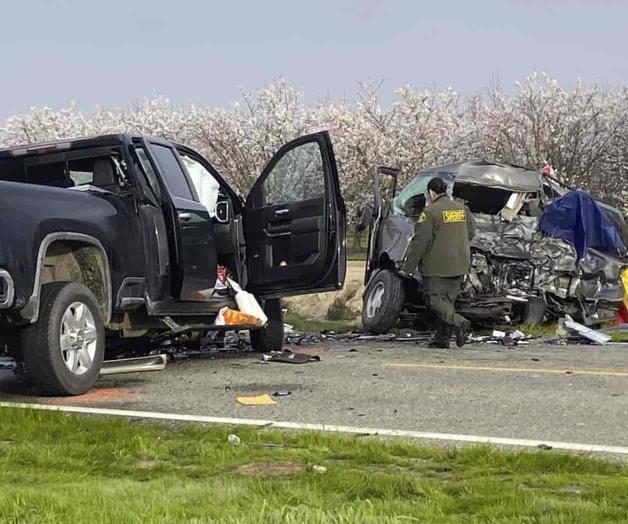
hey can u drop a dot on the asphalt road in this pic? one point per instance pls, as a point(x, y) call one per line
point(573, 393)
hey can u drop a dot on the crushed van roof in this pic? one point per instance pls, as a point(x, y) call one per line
point(489, 174)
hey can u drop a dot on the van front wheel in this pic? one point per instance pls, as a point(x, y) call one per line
point(383, 301)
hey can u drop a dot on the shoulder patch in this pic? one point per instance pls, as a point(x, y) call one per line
point(454, 215)
point(422, 217)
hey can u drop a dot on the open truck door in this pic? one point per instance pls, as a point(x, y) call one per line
point(295, 223)
point(193, 247)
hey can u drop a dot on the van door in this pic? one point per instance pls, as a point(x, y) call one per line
point(294, 222)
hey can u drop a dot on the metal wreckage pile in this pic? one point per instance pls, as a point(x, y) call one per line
point(542, 250)
point(524, 258)
point(516, 261)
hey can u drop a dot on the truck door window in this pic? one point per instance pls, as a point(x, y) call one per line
point(149, 172)
point(171, 171)
point(298, 175)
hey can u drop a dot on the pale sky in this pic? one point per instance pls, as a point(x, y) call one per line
point(116, 52)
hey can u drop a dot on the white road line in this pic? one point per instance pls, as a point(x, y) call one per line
point(448, 437)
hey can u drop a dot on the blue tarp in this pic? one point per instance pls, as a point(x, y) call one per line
point(577, 218)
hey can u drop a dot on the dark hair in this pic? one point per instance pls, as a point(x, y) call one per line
point(437, 185)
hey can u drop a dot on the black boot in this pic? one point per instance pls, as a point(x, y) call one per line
point(463, 333)
point(442, 343)
point(441, 337)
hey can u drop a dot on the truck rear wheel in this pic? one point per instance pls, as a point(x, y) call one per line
point(63, 351)
point(383, 301)
point(271, 337)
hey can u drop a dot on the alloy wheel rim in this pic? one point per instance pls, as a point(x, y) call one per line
point(374, 301)
point(78, 338)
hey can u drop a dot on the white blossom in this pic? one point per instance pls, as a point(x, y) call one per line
point(581, 132)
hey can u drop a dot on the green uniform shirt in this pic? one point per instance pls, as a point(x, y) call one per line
point(440, 245)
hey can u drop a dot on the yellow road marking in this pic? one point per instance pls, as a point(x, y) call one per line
point(594, 372)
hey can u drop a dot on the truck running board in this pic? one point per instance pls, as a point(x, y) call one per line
point(134, 365)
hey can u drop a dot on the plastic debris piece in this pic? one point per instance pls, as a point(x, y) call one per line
point(588, 333)
point(508, 341)
point(247, 303)
point(259, 400)
point(234, 439)
point(498, 334)
point(282, 393)
point(288, 357)
point(319, 469)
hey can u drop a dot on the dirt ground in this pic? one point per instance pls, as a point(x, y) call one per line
point(350, 295)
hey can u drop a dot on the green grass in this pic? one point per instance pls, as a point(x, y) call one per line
point(317, 326)
point(619, 337)
point(64, 468)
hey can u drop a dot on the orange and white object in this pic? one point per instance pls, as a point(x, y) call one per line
point(232, 317)
point(247, 303)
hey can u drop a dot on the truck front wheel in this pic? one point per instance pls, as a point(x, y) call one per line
point(63, 351)
point(271, 337)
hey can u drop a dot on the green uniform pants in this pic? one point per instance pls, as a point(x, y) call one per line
point(440, 294)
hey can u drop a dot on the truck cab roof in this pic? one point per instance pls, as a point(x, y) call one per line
point(69, 144)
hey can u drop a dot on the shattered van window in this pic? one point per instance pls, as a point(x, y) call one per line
point(482, 199)
point(417, 187)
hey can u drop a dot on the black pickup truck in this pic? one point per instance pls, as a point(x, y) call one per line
point(116, 239)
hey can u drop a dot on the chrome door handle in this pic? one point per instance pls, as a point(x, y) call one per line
point(185, 217)
point(280, 212)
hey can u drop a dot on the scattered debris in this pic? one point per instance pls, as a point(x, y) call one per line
point(596, 337)
point(319, 469)
point(282, 393)
point(234, 439)
point(288, 357)
point(259, 400)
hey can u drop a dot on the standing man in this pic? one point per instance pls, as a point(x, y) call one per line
point(440, 249)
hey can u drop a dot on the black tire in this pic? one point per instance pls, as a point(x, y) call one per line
point(271, 337)
point(380, 318)
point(41, 342)
point(534, 311)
